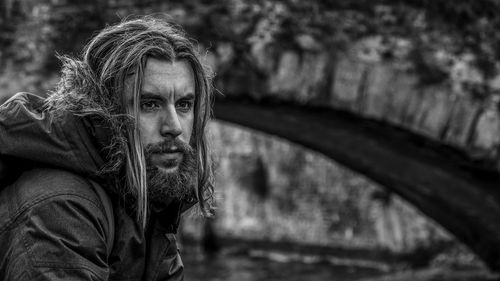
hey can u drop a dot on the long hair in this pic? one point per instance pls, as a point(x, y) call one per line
point(95, 84)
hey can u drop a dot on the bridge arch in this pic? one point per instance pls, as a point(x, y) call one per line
point(438, 180)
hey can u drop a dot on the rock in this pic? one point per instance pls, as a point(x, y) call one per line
point(313, 76)
point(412, 108)
point(494, 83)
point(401, 89)
point(463, 113)
point(225, 53)
point(377, 90)
point(261, 54)
point(368, 49)
point(308, 42)
point(486, 134)
point(435, 112)
point(347, 79)
point(285, 81)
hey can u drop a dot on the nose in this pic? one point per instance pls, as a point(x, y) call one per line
point(170, 125)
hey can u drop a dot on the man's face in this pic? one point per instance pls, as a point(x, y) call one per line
point(165, 119)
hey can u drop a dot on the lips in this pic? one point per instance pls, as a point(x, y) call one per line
point(167, 160)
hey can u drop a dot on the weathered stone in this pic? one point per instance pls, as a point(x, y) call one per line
point(225, 53)
point(262, 55)
point(414, 104)
point(287, 78)
point(463, 71)
point(389, 226)
point(347, 80)
point(376, 95)
point(368, 49)
point(464, 112)
point(313, 76)
point(299, 77)
point(401, 89)
point(307, 42)
point(486, 134)
point(435, 112)
point(494, 83)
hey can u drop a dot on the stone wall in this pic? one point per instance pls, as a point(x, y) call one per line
point(272, 190)
point(385, 90)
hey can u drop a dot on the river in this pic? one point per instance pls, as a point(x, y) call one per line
point(232, 265)
point(269, 265)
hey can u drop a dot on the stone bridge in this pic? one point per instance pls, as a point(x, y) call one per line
point(436, 146)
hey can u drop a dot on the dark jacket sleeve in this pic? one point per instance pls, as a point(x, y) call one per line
point(64, 238)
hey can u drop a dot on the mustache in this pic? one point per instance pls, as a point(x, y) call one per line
point(168, 146)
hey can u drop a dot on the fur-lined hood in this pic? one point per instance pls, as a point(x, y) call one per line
point(31, 136)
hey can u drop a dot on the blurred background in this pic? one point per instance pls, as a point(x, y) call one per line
point(354, 140)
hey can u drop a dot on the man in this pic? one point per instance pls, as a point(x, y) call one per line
point(95, 177)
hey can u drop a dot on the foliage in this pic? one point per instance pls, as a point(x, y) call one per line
point(472, 24)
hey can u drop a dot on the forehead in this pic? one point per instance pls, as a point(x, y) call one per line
point(165, 77)
point(173, 69)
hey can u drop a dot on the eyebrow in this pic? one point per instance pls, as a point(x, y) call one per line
point(150, 95)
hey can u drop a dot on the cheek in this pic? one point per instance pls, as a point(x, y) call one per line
point(187, 128)
point(146, 130)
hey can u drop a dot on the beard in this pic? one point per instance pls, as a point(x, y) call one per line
point(164, 186)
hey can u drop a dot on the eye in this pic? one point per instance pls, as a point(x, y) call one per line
point(184, 105)
point(149, 105)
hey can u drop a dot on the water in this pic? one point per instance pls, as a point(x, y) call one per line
point(235, 264)
point(229, 266)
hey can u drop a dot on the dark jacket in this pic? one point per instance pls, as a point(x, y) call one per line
point(58, 218)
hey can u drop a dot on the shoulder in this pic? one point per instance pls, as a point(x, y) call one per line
point(57, 223)
point(50, 188)
point(41, 184)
